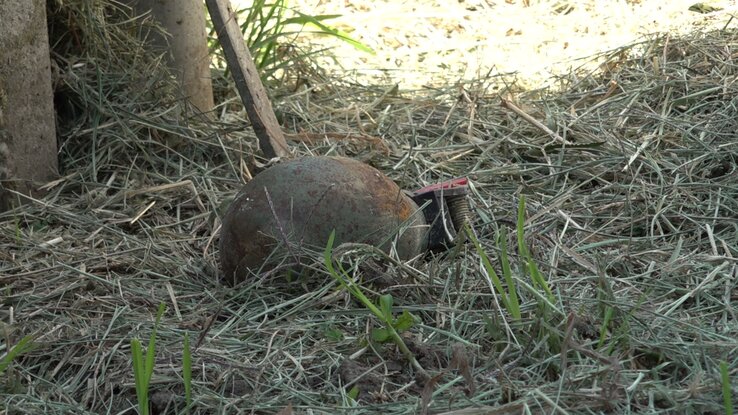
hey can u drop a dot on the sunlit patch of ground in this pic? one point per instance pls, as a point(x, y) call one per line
point(439, 42)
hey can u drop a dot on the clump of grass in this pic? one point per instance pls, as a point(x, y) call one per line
point(270, 30)
point(530, 266)
point(509, 298)
point(144, 368)
point(539, 286)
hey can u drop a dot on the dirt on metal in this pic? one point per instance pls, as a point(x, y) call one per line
point(297, 204)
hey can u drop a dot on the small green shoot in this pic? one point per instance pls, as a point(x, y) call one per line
point(383, 312)
point(510, 301)
point(187, 372)
point(143, 369)
point(538, 287)
point(400, 324)
point(353, 393)
point(535, 274)
point(506, 271)
point(323, 29)
point(607, 318)
point(138, 374)
point(333, 334)
point(725, 380)
point(621, 334)
point(24, 345)
point(547, 301)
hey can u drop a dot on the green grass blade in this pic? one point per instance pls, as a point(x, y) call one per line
point(346, 282)
point(304, 19)
point(385, 304)
point(513, 309)
point(507, 274)
point(143, 369)
point(520, 226)
point(539, 281)
point(24, 345)
point(605, 324)
point(255, 24)
point(725, 380)
point(308, 20)
point(142, 386)
point(187, 372)
point(151, 350)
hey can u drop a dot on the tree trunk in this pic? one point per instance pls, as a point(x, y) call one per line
point(184, 20)
point(28, 149)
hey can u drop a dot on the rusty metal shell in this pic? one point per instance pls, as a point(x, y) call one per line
point(301, 201)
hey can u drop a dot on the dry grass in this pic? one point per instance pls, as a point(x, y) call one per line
point(634, 223)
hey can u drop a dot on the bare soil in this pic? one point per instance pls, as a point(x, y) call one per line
point(419, 43)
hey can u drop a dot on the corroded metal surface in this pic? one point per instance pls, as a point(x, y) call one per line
point(446, 210)
point(298, 203)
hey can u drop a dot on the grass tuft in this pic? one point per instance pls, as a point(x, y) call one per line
point(143, 368)
point(509, 298)
point(272, 31)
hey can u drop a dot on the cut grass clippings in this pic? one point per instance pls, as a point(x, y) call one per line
point(628, 243)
